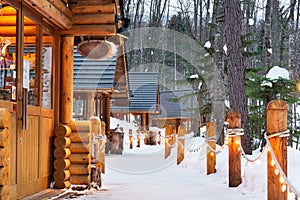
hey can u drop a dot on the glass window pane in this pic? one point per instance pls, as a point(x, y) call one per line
point(30, 67)
point(47, 70)
point(8, 52)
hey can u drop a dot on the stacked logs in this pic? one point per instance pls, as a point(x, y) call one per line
point(80, 157)
point(62, 154)
point(4, 153)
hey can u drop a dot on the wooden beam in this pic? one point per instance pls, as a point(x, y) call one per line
point(100, 30)
point(60, 5)
point(88, 2)
point(53, 14)
point(93, 9)
point(93, 19)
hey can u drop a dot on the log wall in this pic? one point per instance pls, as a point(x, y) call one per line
point(5, 126)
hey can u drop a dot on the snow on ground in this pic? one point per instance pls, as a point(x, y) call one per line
point(143, 173)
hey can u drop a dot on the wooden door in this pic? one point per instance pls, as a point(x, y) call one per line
point(35, 130)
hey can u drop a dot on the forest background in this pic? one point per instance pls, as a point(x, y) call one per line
point(245, 40)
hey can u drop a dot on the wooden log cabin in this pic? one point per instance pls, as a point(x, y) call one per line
point(39, 140)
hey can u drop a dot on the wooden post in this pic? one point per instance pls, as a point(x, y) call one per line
point(211, 141)
point(67, 79)
point(168, 140)
point(235, 178)
point(107, 113)
point(91, 105)
point(130, 138)
point(138, 138)
point(102, 151)
point(277, 122)
point(180, 147)
point(144, 121)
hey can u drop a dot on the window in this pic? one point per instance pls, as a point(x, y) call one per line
point(8, 52)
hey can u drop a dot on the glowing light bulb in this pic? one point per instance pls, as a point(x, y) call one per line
point(276, 171)
point(272, 163)
point(212, 153)
point(237, 142)
point(281, 180)
point(239, 149)
point(283, 188)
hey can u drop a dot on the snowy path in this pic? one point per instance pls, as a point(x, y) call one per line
point(144, 174)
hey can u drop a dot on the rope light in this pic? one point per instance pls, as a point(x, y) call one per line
point(284, 177)
point(235, 133)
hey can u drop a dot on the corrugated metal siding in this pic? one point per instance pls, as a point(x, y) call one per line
point(93, 74)
point(144, 90)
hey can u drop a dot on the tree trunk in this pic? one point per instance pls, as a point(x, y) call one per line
point(236, 70)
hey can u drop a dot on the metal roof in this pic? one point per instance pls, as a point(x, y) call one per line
point(181, 108)
point(93, 74)
point(143, 86)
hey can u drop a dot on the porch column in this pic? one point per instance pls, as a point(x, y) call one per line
point(144, 123)
point(66, 106)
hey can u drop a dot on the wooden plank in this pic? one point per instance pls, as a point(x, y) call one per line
point(93, 8)
point(180, 147)
point(277, 122)
point(210, 155)
point(93, 19)
point(62, 164)
point(46, 147)
point(235, 178)
point(51, 13)
point(67, 79)
point(77, 169)
point(95, 30)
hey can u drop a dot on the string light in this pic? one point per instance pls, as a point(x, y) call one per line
point(281, 180)
point(212, 153)
point(276, 171)
point(283, 188)
point(272, 163)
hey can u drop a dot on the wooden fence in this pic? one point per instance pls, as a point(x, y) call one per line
point(276, 139)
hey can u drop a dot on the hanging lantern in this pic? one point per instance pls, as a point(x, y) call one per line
point(97, 49)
